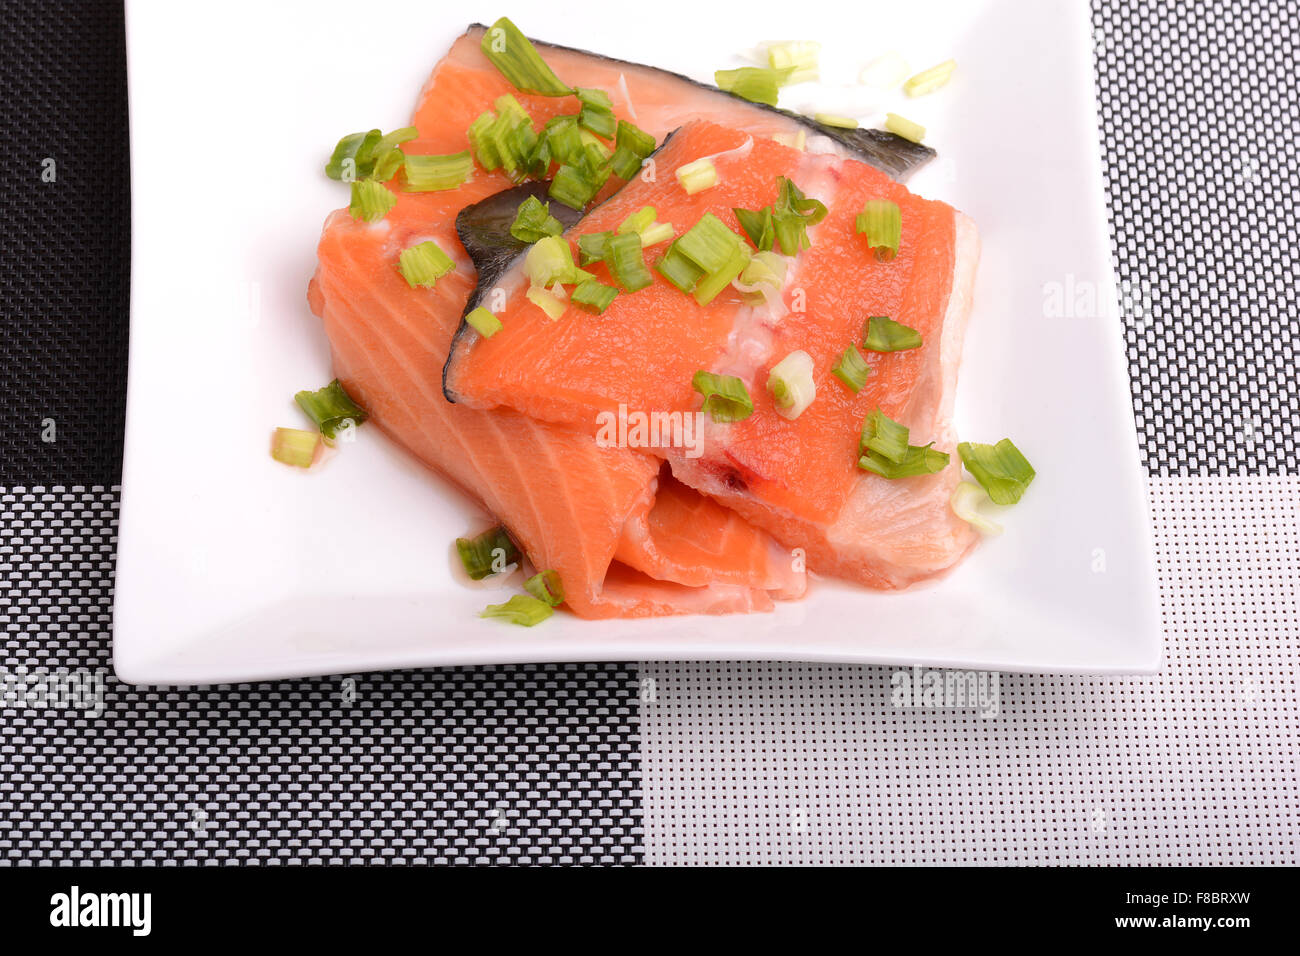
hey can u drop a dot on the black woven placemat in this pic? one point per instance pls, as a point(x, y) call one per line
point(526, 764)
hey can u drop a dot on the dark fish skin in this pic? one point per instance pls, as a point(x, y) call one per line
point(484, 231)
point(888, 152)
point(484, 228)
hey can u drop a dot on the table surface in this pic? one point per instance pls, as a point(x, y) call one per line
point(703, 762)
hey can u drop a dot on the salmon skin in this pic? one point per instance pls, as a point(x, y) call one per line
point(484, 230)
point(797, 479)
point(569, 503)
point(892, 154)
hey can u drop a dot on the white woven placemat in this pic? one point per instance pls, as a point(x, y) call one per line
point(809, 763)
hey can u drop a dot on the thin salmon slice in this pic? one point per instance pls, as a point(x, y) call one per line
point(796, 479)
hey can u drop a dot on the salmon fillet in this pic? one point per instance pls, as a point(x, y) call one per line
point(796, 479)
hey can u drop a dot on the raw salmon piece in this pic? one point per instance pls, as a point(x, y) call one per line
point(794, 479)
point(695, 541)
point(465, 83)
point(564, 499)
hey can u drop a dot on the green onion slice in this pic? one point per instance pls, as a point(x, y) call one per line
point(349, 155)
point(593, 296)
point(884, 436)
point(484, 322)
point(424, 264)
point(489, 553)
point(550, 260)
point(839, 122)
point(597, 113)
point(547, 301)
point(927, 81)
point(294, 446)
point(883, 334)
point(965, 501)
point(852, 369)
point(591, 247)
point(801, 55)
point(519, 62)
point(546, 586)
point(882, 223)
point(631, 146)
point(533, 221)
point(574, 186)
point(522, 609)
point(757, 224)
point(371, 200)
point(626, 263)
point(791, 383)
point(884, 450)
point(433, 173)
point(654, 234)
point(904, 127)
point(330, 407)
point(725, 397)
point(754, 83)
point(678, 269)
point(697, 176)
point(638, 222)
point(1000, 469)
point(708, 243)
point(707, 289)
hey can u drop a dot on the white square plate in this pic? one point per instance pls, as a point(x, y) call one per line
point(232, 567)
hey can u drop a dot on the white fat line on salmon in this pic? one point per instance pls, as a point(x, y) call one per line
point(627, 98)
point(636, 429)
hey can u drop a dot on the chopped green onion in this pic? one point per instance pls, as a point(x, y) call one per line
point(574, 187)
point(904, 127)
point(796, 140)
point(656, 233)
point(919, 460)
point(424, 264)
point(593, 296)
point(852, 369)
point(839, 122)
point(330, 407)
point(350, 154)
point(757, 224)
point(433, 173)
point(799, 55)
point(548, 302)
point(631, 146)
point(370, 200)
point(765, 268)
point(387, 164)
point(564, 137)
point(966, 498)
point(591, 247)
point(725, 397)
point(546, 586)
point(489, 553)
point(597, 113)
point(486, 150)
point(708, 243)
point(1000, 469)
point(522, 609)
point(519, 62)
point(754, 83)
point(626, 263)
point(882, 223)
point(638, 221)
point(927, 81)
point(883, 334)
point(707, 289)
point(679, 270)
point(483, 322)
point(884, 436)
point(697, 176)
point(294, 446)
point(884, 450)
point(792, 214)
point(550, 260)
point(791, 384)
point(533, 221)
